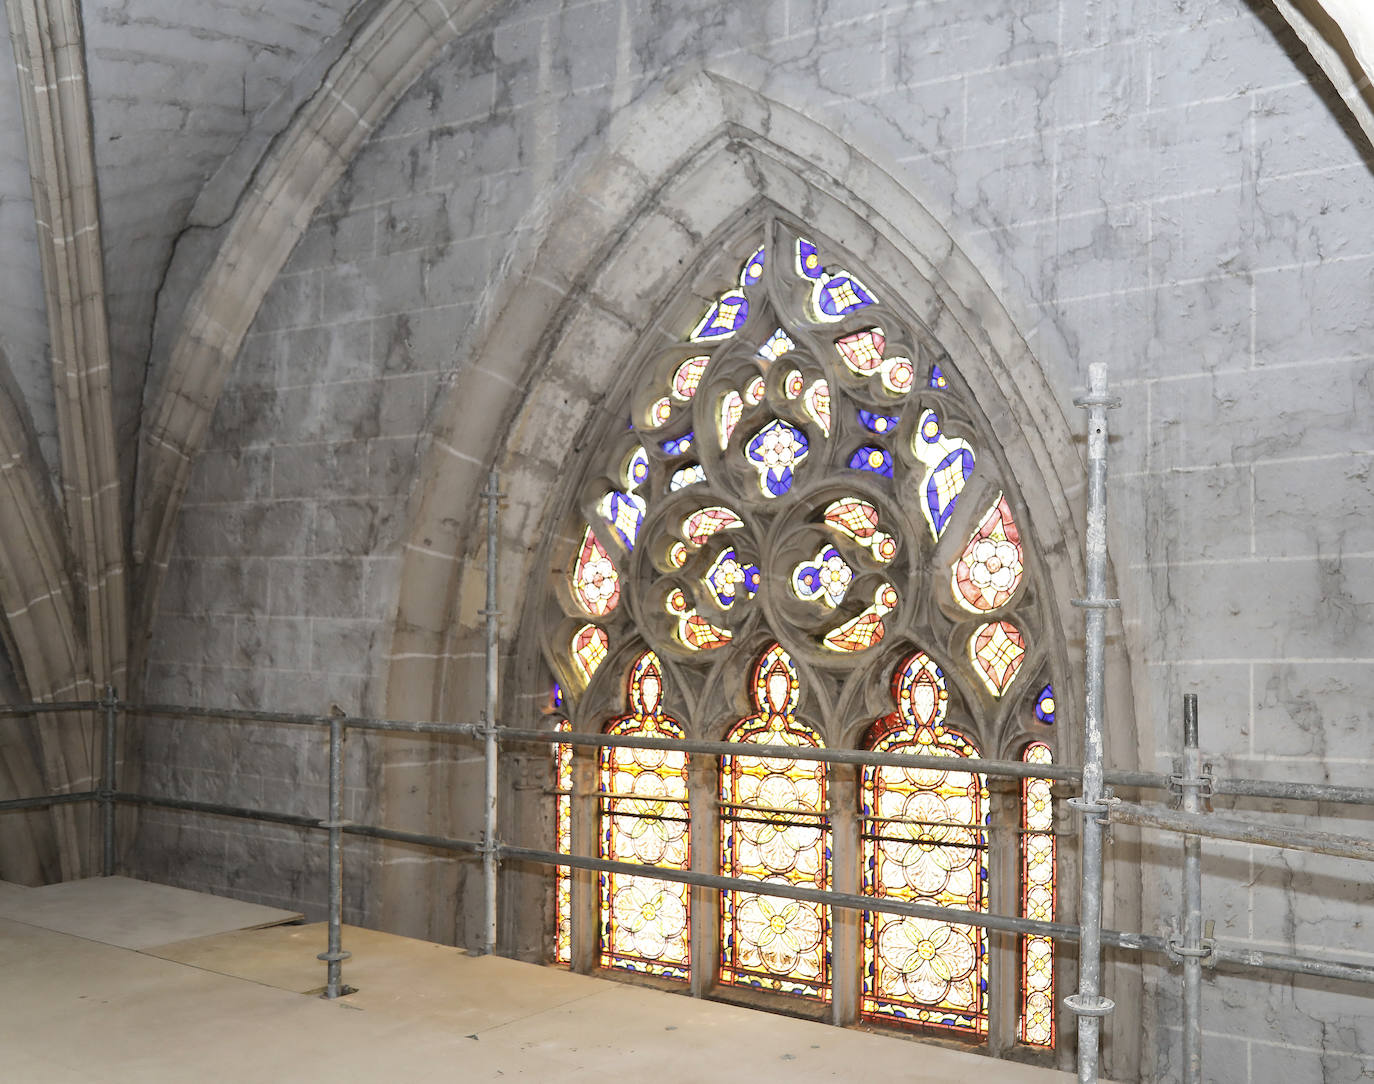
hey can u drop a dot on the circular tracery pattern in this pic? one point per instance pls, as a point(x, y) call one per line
point(794, 470)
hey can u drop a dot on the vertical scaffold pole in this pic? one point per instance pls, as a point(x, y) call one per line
point(1192, 949)
point(1088, 1004)
point(107, 783)
point(335, 956)
point(489, 718)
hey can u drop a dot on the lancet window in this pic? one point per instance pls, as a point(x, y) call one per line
point(799, 522)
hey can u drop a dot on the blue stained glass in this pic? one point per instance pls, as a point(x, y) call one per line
point(826, 578)
point(808, 260)
point(1044, 705)
point(961, 459)
point(689, 475)
point(679, 445)
point(638, 471)
point(774, 451)
point(729, 578)
point(724, 318)
point(625, 514)
point(877, 460)
point(878, 423)
point(753, 269)
point(557, 695)
point(842, 294)
point(937, 378)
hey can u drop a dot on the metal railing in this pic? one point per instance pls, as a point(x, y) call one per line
point(1099, 808)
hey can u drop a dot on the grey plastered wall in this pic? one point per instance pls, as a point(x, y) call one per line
point(1165, 191)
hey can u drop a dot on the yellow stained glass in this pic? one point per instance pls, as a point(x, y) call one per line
point(924, 840)
point(645, 922)
point(1036, 1026)
point(589, 646)
point(997, 650)
point(866, 628)
point(562, 768)
point(775, 828)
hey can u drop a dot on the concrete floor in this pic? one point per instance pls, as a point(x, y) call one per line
point(235, 1004)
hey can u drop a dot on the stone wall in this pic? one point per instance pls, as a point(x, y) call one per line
point(1161, 189)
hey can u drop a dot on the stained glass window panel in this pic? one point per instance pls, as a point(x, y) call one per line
point(1037, 902)
point(686, 476)
point(562, 769)
point(989, 570)
point(723, 318)
point(687, 377)
point(872, 458)
point(589, 646)
point(1044, 706)
point(859, 520)
point(863, 350)
point(898, 376)
point(778, 344)
point(624, 512)
point(679, 445)
point(730, 578)
point(753, 391)
point(997, 650)
point(705, 522)
point(924, 840)
point(731, 409)
point(794, 384)
point(644, 922)
point(775, 451)
point(865, 629)
point(825, 578)
point(817, 403)
point(877, 423)
point(937, 378)
point(595, 581)
point(694, 632)
point(775, 828)
point(949, 461)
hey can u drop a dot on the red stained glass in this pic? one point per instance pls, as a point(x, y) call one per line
point(866, 628)
point(924, 840)
point(817, 403)
point(997, 650)
point(775, 828)
point(859, 520)
point(687, 378)
point(705, 522)
point(595, 581)
point(863, 351)
point(731, 409)
point(645, 922)
point(990, 568)
point(694, 632)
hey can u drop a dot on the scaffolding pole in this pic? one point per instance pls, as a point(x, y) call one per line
point(1191, 947)
point(1088, 1004)
point(107, 783)
point(490, 844)
point(335, 955)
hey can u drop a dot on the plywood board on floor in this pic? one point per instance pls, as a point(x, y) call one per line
point(134, 914)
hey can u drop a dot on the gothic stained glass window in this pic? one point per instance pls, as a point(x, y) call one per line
point(644, 922)
point(562, 834)
point(924, 839)
point(793, 466)
point(1037, 899)
point(775, 828)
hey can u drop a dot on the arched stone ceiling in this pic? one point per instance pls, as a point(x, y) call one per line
point(174, 89)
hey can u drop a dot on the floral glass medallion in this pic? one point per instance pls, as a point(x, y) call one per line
point(825, 578)
point(989, 570)
point(729, 579)
point(595, 581)
point(775, 451)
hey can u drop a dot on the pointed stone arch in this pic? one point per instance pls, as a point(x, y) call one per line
point(540, 392)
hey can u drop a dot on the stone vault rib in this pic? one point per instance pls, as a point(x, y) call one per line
point(50, 56)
